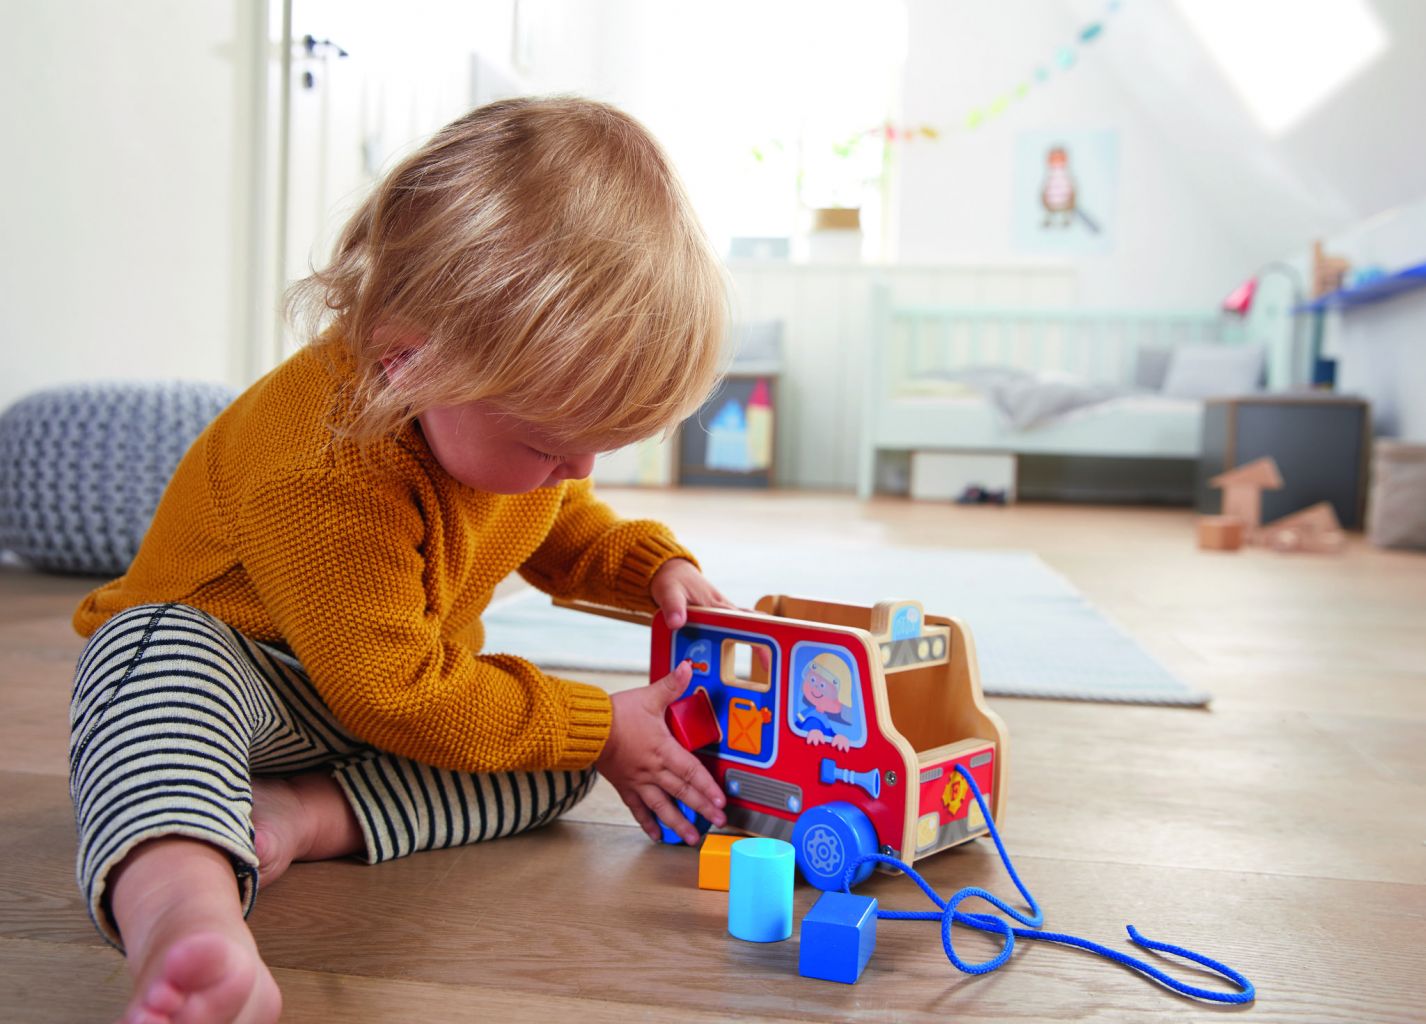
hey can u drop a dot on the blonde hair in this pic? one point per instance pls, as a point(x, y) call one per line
point(548, 254)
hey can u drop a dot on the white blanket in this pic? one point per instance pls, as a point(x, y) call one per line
point(1027, 400)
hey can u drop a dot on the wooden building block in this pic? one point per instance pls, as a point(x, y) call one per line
point(1313, 529)
point(1220, 533)
point(838, 937)
point(692, 721)
point(714, 857)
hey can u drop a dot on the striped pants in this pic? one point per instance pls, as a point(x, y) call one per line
point(173, 714)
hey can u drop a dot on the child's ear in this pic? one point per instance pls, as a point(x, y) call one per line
point(393, 362)
point(398, 345)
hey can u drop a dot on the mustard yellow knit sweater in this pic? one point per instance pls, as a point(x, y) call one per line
point(374, 571)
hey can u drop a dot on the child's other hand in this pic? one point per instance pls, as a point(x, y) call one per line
point(678, 584)
point(648, 768)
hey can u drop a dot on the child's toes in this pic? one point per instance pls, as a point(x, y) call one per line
point(213, 977)
point(160, 1002)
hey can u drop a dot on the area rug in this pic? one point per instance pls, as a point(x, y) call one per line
point(1035, 634)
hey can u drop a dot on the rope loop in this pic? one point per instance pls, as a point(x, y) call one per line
point(948, 914)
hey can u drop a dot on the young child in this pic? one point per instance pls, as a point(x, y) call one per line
point(291, 669)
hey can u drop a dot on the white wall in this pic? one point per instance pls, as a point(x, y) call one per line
point(1173, 248)
point(715, 80)
point(126, 218)
point(1356, 154)
point(1381, 348)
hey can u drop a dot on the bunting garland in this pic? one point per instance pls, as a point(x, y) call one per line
point(1061, 61)
point(864, 156)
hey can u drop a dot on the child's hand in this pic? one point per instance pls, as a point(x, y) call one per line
point(649, 769)
point(678, 584)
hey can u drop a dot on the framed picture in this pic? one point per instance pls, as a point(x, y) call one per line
point(1066, 184)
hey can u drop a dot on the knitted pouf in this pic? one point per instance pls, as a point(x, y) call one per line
point(82, 467)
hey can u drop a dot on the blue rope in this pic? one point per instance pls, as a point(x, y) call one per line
point(949, 915)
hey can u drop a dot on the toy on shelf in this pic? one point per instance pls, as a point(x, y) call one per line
point(1329, 273)
point(1313, 529)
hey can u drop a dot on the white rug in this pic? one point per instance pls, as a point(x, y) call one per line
point(1036, 636)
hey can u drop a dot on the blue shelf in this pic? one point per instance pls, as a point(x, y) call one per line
point(1382, 288)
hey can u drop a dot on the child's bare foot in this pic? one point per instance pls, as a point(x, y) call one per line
point(192, 957)
point(207, 978)
point(305, 817)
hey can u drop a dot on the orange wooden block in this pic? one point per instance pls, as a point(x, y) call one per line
point(715, 861)
point(1220, 533)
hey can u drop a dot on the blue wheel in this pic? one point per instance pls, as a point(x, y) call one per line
point(828, 839)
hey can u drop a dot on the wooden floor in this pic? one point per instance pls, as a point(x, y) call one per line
point(1283, 831)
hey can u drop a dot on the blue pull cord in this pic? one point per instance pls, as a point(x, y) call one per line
point(949, 915)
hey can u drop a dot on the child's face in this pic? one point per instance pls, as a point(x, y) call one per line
point(492, 451)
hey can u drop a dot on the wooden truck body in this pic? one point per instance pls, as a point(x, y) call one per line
point(841, 727)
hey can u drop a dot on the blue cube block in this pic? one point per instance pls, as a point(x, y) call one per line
point(699, 822)
point(838, 935)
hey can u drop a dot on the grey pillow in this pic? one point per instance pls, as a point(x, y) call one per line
point(1151, 366)
point(1208, 371)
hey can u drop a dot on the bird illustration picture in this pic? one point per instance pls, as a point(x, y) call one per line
point(1059, 196)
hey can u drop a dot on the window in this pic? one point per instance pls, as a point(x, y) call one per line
point(1285, 57)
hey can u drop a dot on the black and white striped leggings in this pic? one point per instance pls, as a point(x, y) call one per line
point(173, 714)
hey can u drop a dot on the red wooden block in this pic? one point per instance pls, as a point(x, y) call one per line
point(692, 721)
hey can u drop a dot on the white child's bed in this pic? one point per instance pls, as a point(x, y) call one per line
point(1045, 381)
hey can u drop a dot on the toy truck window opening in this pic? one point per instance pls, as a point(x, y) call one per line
point(746, 665)
point(883, 779)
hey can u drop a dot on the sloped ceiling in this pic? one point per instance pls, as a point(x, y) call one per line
point(1359, 153)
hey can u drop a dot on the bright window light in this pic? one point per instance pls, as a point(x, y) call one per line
point(1285, 57)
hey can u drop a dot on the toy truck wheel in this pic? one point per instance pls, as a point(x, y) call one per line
point(830, 838)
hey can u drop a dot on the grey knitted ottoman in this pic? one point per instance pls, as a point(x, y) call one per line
point(82, 467)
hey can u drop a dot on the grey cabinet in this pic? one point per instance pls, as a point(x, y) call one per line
point(1319, 442)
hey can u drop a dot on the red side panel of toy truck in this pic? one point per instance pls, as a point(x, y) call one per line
point(771, 770)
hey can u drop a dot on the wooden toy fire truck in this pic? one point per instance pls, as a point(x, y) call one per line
point(838, 727)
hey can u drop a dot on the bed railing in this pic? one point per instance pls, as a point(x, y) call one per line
point(1098, 345)
point(914, 348)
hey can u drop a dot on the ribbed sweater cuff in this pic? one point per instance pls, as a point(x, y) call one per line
point(590, 715)
point(643, 560)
